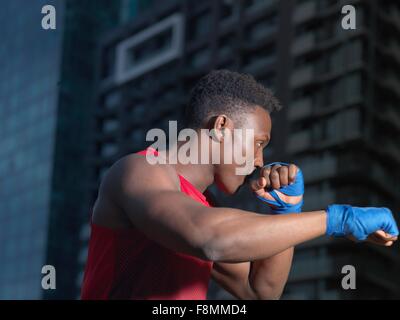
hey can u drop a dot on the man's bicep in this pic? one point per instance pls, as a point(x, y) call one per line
point(169, 218)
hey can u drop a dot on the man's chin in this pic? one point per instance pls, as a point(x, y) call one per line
point(239, 186)
point(233, 185)
point(227, 189)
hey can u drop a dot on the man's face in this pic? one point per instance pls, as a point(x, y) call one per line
point(226, 175)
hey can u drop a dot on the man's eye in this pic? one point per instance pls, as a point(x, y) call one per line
point(260, 144)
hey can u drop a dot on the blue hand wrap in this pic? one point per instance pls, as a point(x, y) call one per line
point(343, 220)
point(295, 189)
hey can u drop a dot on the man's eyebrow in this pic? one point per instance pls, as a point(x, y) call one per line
point(265, 136)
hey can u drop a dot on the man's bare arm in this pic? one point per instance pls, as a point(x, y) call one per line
point(268, 276)
point(150, 198)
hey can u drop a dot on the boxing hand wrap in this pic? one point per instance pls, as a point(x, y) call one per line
point(278, 206)
point(343, 220)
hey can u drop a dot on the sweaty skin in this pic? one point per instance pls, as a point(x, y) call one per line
point(252, 252)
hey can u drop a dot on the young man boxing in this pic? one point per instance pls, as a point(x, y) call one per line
point(155, 236)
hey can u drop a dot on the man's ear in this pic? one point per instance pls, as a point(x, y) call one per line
point(217, 126)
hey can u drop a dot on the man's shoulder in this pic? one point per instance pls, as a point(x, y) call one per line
point(135, 169)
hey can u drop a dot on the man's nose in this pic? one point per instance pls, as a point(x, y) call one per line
point(259, 161)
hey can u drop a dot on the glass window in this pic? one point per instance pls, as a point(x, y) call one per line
point(137, 112)
point(200, 58)
point(108, 149)
point(336, 93)
point(354, 52)
point(258, 4)
point(200, 26)
point(110, 125)
point(352, 123)
point(353, 87)
point(262, 28)
point(264, 56)
point(227, 44)
point(150, 48)
point(112, 100)
point(138, 136)
point(336, 60)
point(227, 8)
point(108, 62)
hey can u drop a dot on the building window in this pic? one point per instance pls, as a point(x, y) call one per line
point(227, 9)
point(200, 58)
point(137, 137)
point(336, 93)
point(336, 59)
point(112, 100)
point(108, 149)
point(228, 65)
point(262, 28)
point(326, 4)
point(109, 125)
point(149, 48)
point(108, 63)
point(351, 120)
point(226, 47)
point(341, 127)
point(255, 5)
point(137, 111)
point(355, 52)
point(268, 80)
point(199, 26)
point(260, 59)
point(353, 87)
point(299, 141)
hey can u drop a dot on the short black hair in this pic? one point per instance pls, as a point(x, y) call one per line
point(227, 92)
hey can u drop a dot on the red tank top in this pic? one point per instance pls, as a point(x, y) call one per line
point(125, 264)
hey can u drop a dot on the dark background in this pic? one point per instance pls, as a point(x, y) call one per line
point(75, 99)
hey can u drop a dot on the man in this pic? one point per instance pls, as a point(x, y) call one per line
point(155, 235)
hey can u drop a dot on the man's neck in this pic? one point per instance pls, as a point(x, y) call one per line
point(199, 175)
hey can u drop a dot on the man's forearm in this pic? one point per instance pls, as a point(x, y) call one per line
point(250, 237)
point(268, 277)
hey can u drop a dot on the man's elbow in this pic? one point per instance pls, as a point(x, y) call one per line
point(209, 240)
point(216, 247)
point(212, 252)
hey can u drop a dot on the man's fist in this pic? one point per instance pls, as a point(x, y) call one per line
point(280, 185)
point(376, 225)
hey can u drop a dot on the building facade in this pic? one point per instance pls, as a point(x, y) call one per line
point(339, 123)
point(28, 106)
point(46, 94)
